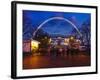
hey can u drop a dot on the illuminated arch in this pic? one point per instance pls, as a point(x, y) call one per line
point(59, 18)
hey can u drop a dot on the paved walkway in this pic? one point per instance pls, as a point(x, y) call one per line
point(40, 61)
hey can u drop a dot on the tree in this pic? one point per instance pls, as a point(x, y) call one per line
point(42, 37)
point(86, 32)
point(28, 27)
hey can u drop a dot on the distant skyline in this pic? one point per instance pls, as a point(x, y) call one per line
point(35, 18)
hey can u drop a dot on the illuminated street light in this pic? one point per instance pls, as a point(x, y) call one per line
point(71, 37)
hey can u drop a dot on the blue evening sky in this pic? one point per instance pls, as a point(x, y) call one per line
point(55, 26)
